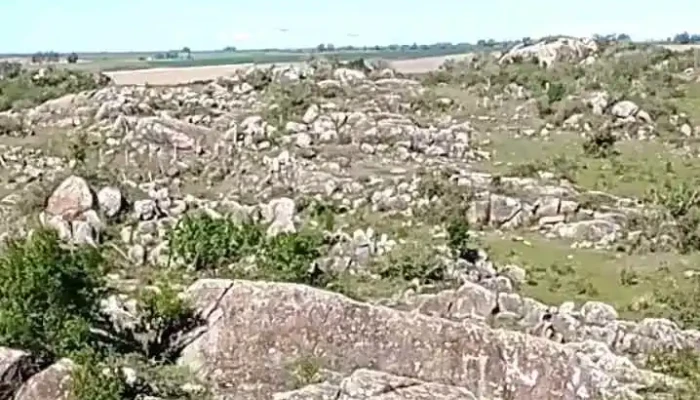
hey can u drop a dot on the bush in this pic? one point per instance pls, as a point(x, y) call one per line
point(24, 88)
point(48, 296)
point(601, 144)
point(50, 306)
point(98, 379)
point(681, 205)
point(289, 257)
point(410, 263)
point(289, 102)
point(210, 244)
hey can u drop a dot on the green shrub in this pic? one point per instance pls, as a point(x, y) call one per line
point(289, 102)
point(289, 257)
point(601, 144)
point(50, 306)
point(48, 296)
point(682, 364)
point(163, 314)
point(206, 242)
point(556, 92)
point(96, 378)
point(681, 203)
point(27, 88)
point(210, 244)
point(411, 262)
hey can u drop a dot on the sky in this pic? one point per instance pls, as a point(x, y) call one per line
point(148, 25)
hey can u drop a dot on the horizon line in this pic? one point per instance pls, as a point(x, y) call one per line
point(297, 49)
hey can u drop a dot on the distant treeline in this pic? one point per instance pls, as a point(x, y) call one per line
point(441, 47)
point(685, 38)
point(53, 57)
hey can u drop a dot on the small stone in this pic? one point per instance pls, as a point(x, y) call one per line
point(110, 201)
point(145, 209)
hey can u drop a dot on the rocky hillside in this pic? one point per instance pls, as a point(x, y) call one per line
point(514, 226)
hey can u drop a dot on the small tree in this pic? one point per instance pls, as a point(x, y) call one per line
point(72, 58)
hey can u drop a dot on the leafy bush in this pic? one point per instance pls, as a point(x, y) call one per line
point(289, 102)
point(683, 364)
point(210, 244)
point(98, 379)
point(680, 204)
point(289, 257)
point(412, 262)
point(600, 144)
point(50, 306)
point(48, 296)
point(23, 88)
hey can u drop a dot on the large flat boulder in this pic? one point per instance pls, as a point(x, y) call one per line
point(257, 329)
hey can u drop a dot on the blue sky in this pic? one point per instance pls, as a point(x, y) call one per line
point(144, 25)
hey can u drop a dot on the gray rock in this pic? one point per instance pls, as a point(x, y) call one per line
point(624, 109)
point(281, 214)
point(53, 383)
point(71, 198)
point(276, 322)
point(145, 209)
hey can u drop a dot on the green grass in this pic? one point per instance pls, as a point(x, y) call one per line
point(558, 273)
point(638, 167)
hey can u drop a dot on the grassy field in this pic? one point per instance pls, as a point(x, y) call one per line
point(140, 60)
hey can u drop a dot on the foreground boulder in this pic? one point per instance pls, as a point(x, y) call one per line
point(15, 368)
point(257, 329)
point(53, 383)
point(371, 385)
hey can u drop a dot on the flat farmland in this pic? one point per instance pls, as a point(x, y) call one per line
point(183, 75)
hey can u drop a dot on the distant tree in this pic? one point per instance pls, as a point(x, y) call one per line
point(623, 37)
point(72, 58)
point(321, 48)
point(682, 38)
point(481, 43)
point(230, 49)
point(330, 47)
point(527, 40)
point(186, 50)
point(377, 47)
point(393, 47)
point(49, 56)
point(414, 46)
